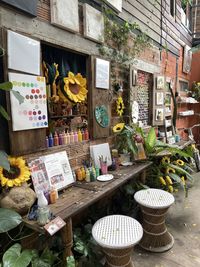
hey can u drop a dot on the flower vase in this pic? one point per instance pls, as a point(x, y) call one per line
point(42, 201)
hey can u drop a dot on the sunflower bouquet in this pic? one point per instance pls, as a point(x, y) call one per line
point(17, 174)
point(169, 173)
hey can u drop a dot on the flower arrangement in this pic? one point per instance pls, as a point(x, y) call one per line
point(120, 106)
point(17, 175)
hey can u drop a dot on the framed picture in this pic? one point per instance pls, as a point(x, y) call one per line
point(159, 114)
point(102, 74)
point(187, 60)
point(160, 82)
point(159, 98)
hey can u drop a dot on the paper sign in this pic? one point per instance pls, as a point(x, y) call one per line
point(55, 225)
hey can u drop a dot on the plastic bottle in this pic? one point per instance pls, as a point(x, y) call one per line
point(79, 175)
point(53, 195)
point(83, 135)
point(86, 134)
point(68, 138)
point(50, 140)
point(87, 175)
point(47, 141)
point(80, 136)
point(65, 138)
point(55, 139)
point(83, 173)
point(75, 137)
point(72, 137)
point(60, 138)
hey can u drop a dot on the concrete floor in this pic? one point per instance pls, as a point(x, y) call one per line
point(183, 222)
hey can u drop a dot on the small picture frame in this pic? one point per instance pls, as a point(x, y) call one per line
point(160, 82)
point(102, 74)
point(159, 114)
point(159, 98)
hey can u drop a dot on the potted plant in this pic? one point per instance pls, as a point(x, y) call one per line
point(125, 141)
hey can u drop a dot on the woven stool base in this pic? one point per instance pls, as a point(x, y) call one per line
point(157, 245)
point(118, 257)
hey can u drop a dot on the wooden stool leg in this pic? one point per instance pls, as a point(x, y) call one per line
point(67, 239)
point(156, 237)
point(118, 257)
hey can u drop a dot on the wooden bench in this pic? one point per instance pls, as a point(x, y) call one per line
point(82, 195)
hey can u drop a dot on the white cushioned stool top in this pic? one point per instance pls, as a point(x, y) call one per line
point(154, 198)
point(117, 231)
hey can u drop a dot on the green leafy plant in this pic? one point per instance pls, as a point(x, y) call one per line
point(9, 220)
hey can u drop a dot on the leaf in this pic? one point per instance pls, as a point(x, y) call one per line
point(175, 177)
point(129, 189)
point(11, 255)
point(182, 171)
point(7, 86)
point(4, 113)
point(24, 259)
point(9, 220)
point(71, 261)
point(4, 162)
point(150, 140)
point(19, 97)
point(39, 263)
point(48, 256)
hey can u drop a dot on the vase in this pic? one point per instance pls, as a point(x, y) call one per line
point(42, 201)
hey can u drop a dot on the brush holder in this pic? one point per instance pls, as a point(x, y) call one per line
point(154, 204)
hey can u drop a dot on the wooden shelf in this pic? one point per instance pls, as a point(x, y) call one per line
point(67, 116)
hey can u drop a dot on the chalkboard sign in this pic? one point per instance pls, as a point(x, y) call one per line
point(28, 6)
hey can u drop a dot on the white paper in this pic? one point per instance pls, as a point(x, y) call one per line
point(32, 113)
point(23, 53)
point(102, 73)
point(100, 150)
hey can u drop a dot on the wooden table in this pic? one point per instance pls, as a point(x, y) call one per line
point(82, 195)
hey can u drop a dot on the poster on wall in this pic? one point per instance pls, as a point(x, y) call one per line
point(32, 113)
point(160, 82)
point(51, 171)
point(159, 98)
point(159, 114)
point(187, 60)
point(102, 74)
point(23, 53)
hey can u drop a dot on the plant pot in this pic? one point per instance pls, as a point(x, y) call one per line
point(124, 157)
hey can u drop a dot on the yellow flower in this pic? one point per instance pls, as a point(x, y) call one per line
point(171, 189)
point(18, 174)
point(162, 181)
point(169, 169)
point(183, 180)
point(165, 160)
point(120, 106)
point(118, 127)
point(75, 87)
point(179, 162)
point(176, 190)
point(168, 179)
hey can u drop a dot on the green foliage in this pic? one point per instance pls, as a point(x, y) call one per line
point(150, 141)
point(16, 258)
point(120, 44)
point(47, 258)
point(9, 219)
point(71, 262)
point(125, 142)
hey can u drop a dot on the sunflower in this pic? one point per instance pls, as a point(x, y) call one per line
point(118, 127)
point(179, 162)
point(120, 106)
point(170, 170)
point(165, 160)
point(17, 175)
point(75, 87)
point(162, 180)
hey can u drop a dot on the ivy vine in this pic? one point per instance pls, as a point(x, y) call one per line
point(121, 45)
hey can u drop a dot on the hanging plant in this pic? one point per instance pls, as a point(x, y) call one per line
point(120, 106)
point(17, 175)
point(75, 87)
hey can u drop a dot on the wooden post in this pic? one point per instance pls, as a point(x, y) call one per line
point(67, 239)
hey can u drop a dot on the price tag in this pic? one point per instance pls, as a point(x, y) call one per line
point(55, 225)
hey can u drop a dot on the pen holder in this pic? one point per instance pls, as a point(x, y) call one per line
point(104, 167)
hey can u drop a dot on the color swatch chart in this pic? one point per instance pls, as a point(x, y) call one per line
point(32, 113)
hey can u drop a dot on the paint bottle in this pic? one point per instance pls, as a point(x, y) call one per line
point(68, 138)
point(75, 137)
point(97, 171)
point(64, 138)
point(87, 175)
point(47, 141)
point(83, 173)
point(55, 139)
point(50, 140)
point(79, 175)
point(86, 134)
point(60, 139)
point(53, 195)
point(72, 137)
point(80, 136)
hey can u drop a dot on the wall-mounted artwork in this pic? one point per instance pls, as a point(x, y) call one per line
point(32, 113)
point(159, 114)
point(187, 60)
point(102, 74)
point(159, 98)
point(30, 7)
point(23, 53)
point(93, 23)
point(115, 4)
point(160, 82)
point(64, 14)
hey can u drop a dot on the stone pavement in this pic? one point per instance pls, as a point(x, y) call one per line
point(183, 222)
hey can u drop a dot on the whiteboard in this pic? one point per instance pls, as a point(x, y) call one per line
point(23, 53)
point(100, 150)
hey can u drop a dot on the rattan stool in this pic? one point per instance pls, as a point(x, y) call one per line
point(117, 234)
point(154, 204)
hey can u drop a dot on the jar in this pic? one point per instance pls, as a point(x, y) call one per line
point(43, 215)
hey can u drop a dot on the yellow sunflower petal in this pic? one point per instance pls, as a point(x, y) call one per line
point(10, 183)
point(162, 180)
point(171, 189)
point(4, 181)
point(168, 179)
point(118, 127)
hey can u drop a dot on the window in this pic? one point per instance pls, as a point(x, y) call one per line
point(186, 13)
point(172, 8)
point(183, 86)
